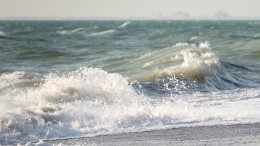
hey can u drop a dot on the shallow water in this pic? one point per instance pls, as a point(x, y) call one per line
point(81, 78)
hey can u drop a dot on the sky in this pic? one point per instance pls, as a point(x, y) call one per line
point(126, 8)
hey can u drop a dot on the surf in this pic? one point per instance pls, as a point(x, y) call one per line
point(185, 67)
point(90, 101)
point(138, 78)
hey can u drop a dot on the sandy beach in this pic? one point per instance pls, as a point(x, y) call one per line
point(242, 134)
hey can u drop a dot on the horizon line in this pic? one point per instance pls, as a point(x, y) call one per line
point(129, 18)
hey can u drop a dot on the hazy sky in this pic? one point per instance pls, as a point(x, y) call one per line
point(124, 8)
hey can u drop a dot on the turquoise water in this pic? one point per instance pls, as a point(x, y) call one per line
point(82, 78)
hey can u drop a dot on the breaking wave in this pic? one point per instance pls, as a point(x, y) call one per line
point(76, 30)
point(90, 101)
point(102, 32)
point(188, 68)
point(59, 105)
point(125, 24)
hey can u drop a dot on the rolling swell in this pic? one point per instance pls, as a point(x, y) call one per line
point(189, 68)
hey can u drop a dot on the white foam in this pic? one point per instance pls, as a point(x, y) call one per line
point(86, 84)
point(62, 31)
point(103, 32)
point(59, 99)
point(90, 101)
point(180, 44)
point(125, 24)
point(193, 38)
point(182, 60)
point(200, 61)
point(77, 30)
point(17, 78)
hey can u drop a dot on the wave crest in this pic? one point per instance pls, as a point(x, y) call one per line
point(90, 101)
point(84, 84)
point(190, 62)
point(102, 32)
point(125, 24)
point(185, 67)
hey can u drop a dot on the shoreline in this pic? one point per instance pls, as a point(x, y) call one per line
point(239, 134)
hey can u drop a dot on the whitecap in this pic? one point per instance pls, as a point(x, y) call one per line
point(125, 24)
point(193, 38)
point(62, 32)
point(77, 30)
point(103, 32)
point(182, 60)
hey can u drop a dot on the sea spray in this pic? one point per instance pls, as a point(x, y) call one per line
point(62, 79)
point(91, 101)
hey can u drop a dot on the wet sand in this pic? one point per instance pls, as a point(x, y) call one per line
point(241, 134)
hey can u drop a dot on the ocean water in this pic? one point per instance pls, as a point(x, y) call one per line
point(61, 79)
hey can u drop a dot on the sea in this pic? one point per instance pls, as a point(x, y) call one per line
point(68, 79)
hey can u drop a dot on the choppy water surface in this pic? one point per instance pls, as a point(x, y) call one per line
point(82, 78)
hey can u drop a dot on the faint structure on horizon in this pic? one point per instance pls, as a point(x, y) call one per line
point(221, 15)
point(180, 15)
